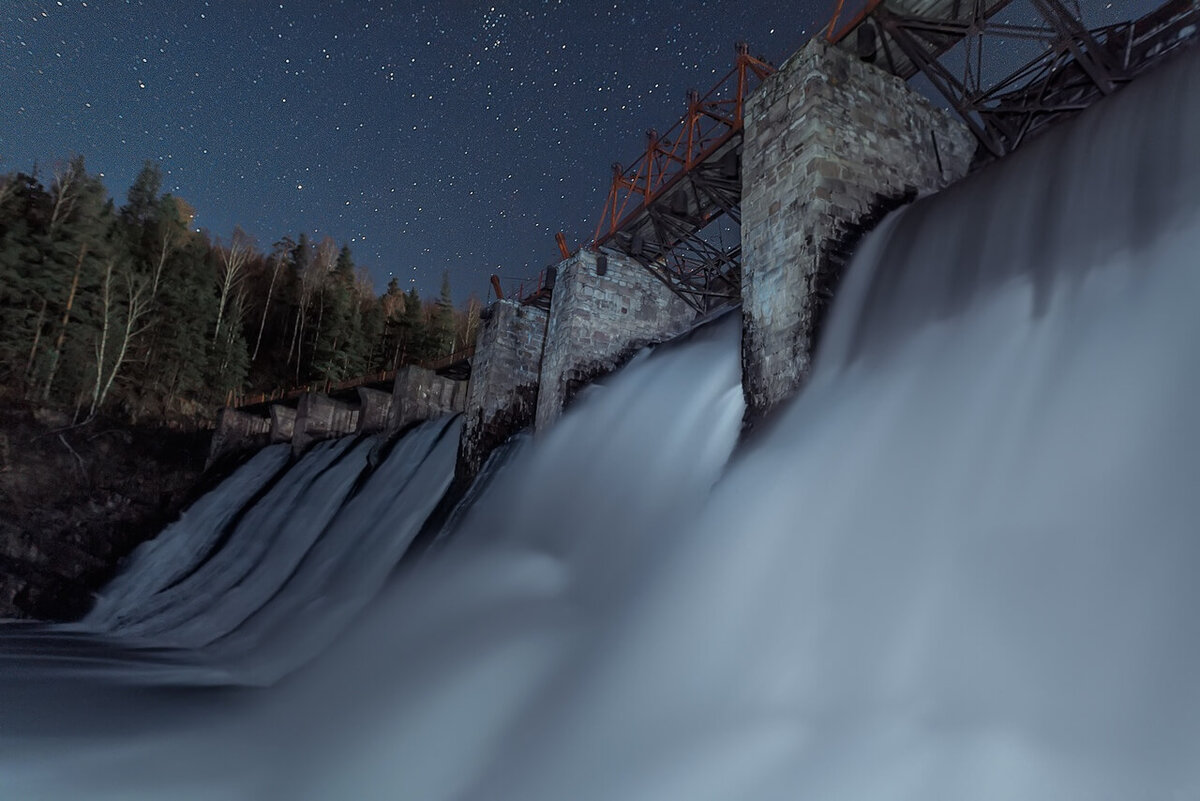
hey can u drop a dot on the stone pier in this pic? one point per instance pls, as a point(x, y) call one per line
point(419, 394)
point(605, 308)
point(320, 417)
point(283, 423)
point(374, 410)
point(503, 394)
point(831, 145)
point(237, 430)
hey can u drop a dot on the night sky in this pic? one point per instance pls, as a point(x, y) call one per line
point(431, 137)
point(451, 136)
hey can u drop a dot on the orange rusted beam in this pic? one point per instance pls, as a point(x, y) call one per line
point(839, 34)
point(708, 123)
point(561, 239)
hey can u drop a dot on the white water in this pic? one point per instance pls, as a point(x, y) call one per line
point(961, 565)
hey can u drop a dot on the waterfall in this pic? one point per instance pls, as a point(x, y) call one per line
point(961, 564)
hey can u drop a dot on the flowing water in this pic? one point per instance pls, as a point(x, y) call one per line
point(962, 564)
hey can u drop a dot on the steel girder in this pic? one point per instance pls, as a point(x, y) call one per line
point(1076, 65)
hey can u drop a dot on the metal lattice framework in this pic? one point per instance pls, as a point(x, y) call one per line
point(658, 208)
point(1073, 65)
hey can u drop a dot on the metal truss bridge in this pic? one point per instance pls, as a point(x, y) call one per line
point(960, 45)
point(660, 209)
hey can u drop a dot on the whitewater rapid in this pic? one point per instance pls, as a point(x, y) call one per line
point(961, 564)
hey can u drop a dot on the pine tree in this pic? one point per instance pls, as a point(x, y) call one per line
point(414, 338)
point(25, 292)
point(187, 300)
point(77, 245)
point(443, 325)
point(339, 321)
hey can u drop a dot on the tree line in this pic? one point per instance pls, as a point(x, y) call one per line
point(130, 310)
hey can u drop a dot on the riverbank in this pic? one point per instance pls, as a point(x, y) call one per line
point(75, 499)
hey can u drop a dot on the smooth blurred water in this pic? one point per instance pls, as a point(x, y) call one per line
point(962, 564)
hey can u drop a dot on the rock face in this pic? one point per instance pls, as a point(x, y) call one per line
point(605, 308)
point(831, 145)
point(72, 507)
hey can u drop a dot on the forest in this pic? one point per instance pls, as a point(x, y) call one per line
point(130, 311)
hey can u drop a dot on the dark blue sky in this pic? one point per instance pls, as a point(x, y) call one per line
point(451, 136)
point(429, 136)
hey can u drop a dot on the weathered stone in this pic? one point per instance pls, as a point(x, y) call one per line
point(374, 409)
point(502, 397)
point(320, 417)
point(419, 394)
point(283, 423)
point(855, 143)
point(237, 430)
point(598, 321)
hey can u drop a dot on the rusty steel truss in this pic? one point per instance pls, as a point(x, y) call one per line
point(1072, 66)
point(658, 208)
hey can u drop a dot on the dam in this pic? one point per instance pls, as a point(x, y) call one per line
point(953, 557)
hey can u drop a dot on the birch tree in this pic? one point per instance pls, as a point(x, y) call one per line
point(135, 300)
point(64, 190)
point(230, 274)
point(278, 258)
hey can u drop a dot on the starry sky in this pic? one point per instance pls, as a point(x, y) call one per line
point(455, 136)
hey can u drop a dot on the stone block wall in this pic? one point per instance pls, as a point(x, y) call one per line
point(321, 417)
point(237, 430)
point(597, 321)
point(502, 397)
point(374, 410)
point(831, 145)
point(419, 394)
point(283, 423)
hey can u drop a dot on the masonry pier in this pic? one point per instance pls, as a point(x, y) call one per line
point(419, 394)
point(374, 409)
point(505, 372)
point(321, 417)
point(283, 423)
point(605, 307)
point(237, 430)
point(831, 145)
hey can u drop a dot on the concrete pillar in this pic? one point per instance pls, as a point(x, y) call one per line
point(604, 309)
point(419, 394)
point(321, 417)
point(374, 409)
point(283, 423)
point(502, 396)
point(831, 145)
point(235, 431)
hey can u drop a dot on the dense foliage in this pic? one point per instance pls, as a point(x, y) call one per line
point(131, 310)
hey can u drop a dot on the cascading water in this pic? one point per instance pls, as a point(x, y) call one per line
point(960, 565)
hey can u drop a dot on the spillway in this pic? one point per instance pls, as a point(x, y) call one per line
point(961, 564)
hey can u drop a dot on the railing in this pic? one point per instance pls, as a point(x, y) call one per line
point(710, 121)
point(538, 287)
point(384, 376)
point(446, 361)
